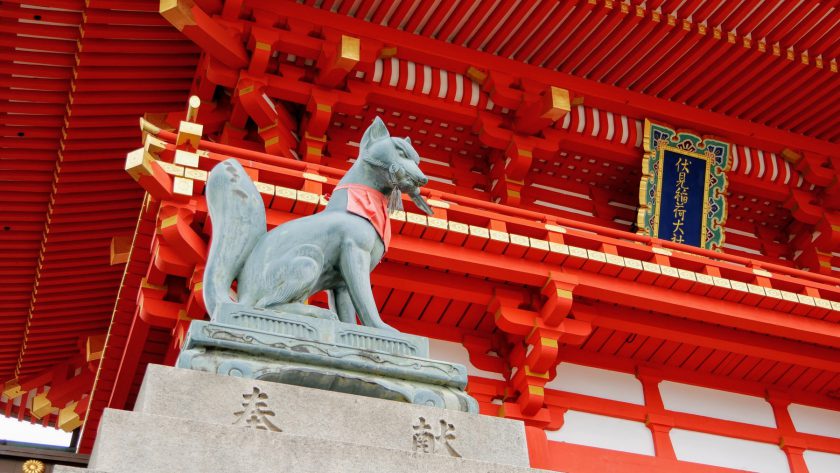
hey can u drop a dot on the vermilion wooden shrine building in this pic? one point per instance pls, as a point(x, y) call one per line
point(620, 351)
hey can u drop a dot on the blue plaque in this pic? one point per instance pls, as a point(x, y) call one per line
point(683, 179)
point(682, 193)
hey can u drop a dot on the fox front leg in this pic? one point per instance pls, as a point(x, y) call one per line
point(341, 303)
point(355, 269)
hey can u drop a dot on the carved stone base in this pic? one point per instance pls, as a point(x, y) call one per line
point(324, 354)
point(189, 421)
point(309, 323)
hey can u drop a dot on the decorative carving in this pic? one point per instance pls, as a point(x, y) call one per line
point(247, 353)
point(255, 412)
point(425, 440)
point(271, 324)
point(375, 342)
point(354, 356)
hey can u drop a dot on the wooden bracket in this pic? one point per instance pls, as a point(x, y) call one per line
point(558, 291)
point(211, 36)
point(337, 61)
point(251, 94)
point(261, 44)
point(817, 170)
point(143, 168)
point(502, 91)
point(802, 208)
point(541, 112)
point(158, 312)
point(176, 232)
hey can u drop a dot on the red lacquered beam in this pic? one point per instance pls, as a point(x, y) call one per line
point(507, 28)
point(561, 34)
point(752, 70)
point(515, 212)
point(96, 30)
point(216, 40)
point(820, 30)
point(567, 61)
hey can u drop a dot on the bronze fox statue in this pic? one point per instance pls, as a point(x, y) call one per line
point(334, 250)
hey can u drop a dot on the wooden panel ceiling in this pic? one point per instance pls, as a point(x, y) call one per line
point(770, 62)
point(74, 78)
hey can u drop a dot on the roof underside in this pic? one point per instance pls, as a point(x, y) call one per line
point(74, 78)
point(769, 62)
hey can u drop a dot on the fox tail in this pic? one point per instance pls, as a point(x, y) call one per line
point(237, 215)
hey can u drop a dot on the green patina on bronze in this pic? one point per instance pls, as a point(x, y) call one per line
point(333, 250)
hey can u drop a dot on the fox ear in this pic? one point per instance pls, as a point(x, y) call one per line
point(375, 132)
point(408, 140)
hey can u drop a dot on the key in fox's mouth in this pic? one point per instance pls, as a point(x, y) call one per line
point(419, 201)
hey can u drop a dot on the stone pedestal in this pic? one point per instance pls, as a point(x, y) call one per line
point(313, 352)
point(189, 421)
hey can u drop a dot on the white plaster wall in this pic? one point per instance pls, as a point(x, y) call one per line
point(821, 462)
point(456, 353)
point(598, 382)
point(814, 420)
point(715, 403)
point(728, 452)
point(15, 430)
point(582, 428)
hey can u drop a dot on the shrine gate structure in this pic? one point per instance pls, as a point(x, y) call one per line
point(534, 120)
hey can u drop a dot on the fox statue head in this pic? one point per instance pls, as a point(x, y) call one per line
point(397, 162)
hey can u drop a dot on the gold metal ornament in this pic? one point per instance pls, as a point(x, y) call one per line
point(33, 466)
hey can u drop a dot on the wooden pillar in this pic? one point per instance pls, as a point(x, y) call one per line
point(659, 423)
point(789, 440)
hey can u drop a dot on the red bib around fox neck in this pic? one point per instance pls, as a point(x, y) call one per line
point(370, 204)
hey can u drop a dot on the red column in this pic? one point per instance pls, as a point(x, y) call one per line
point(657, 421)
point(789, 440)
point(796, 460)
